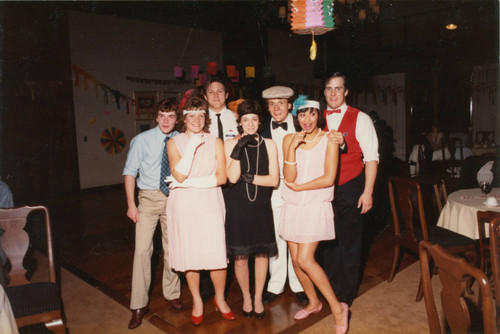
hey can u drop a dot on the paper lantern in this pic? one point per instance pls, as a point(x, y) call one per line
point(362, 15)
point(249, 72)
point(212, 67)
point(194, 71)
point(312, 17)
point(231, 71)
point(177, 71)
point(236, 78)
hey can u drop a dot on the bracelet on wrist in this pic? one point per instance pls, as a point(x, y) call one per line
point(290, 163)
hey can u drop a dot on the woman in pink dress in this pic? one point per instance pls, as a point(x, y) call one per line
point(195, 207)
point(310, 167)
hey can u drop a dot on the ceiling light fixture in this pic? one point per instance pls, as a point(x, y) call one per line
point(451, 26)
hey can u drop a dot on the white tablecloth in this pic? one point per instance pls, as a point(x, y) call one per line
point(460, 212)
point(7, 320)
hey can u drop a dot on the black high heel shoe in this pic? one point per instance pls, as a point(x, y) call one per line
point(260, 315)
point(247, 314)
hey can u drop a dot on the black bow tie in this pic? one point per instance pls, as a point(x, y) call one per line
point(284, 125)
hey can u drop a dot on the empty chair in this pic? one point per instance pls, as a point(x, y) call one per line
point(32, 302)
point(454, 274)
point(404, 194)
point(483, 221)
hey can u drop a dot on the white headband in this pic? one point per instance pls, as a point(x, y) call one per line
point(192, 111)
point(310, 104)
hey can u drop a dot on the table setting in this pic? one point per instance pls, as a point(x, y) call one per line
point(460, 211)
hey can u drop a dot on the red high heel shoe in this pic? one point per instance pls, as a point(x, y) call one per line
point(196, 320)
point(229, 315)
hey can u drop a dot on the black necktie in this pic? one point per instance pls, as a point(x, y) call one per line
point(165, 169)
point(284, 125)
point(219, 125)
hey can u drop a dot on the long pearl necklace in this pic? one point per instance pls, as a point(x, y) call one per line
point(310, 141)
point(256, 169)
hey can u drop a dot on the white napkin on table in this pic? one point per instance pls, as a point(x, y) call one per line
point(485, 174)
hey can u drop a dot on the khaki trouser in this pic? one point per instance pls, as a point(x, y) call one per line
point(152, 207)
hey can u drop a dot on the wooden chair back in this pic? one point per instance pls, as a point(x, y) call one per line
point(483, 221)
point(495, 262)
point(454, 273)
point(403, 195)
point(45, 295)
point(441, 194)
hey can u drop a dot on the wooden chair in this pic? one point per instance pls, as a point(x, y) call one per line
point(31, 302)
point(454, 274)
point(483, 221)
point(495, 263)
point(407, 192)
point(441, 194)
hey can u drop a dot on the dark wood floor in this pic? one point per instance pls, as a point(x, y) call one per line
point(94, 239)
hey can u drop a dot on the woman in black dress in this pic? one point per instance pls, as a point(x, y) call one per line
point(252, 170)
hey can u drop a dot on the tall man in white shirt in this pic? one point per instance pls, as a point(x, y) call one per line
point(223, 125)
point(223, 122)
point(354, 187)
point(147, 162)
point(277, 127)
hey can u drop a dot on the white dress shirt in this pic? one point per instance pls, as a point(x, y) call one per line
point(278, 135)
point(365, 132)
point(228, 120)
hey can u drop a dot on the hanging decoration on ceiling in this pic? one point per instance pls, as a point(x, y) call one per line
point(249, 72)
point(113, 140)
point(312, 17)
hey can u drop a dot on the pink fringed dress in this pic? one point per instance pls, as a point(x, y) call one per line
point(307, 216)
point(195, 216)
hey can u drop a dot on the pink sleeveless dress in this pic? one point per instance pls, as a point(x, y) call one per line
point(307, 216)
point(195, 217)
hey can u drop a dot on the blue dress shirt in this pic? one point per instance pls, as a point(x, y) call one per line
point(144, 158)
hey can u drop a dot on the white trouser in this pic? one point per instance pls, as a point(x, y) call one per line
point(278, 265)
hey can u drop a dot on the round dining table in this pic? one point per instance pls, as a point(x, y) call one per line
point(460, 211)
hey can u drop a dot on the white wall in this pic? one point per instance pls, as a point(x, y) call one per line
point(110, 49)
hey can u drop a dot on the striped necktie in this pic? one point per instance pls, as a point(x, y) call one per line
point(165, 169)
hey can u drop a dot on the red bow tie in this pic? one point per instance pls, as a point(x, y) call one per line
point(336, 111)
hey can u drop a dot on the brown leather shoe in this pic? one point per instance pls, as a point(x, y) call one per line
point(137, 315)
point(176, 304)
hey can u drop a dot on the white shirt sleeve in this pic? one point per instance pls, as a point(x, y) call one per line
point(367, 137)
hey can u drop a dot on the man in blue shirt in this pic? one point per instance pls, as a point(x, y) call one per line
point(144, 163)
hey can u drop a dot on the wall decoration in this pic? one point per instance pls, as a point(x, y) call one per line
point(203, 79)
point(212, 67)
point(178, 72)
point(250, 72)
point(144, 106)
point(78, 71)
point(237, 77)
point(231, 71)
point(194, 71)
point(113, 140)
point(143, 125)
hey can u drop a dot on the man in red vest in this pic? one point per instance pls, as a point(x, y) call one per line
point(353, 130)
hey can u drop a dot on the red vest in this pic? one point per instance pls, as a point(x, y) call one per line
point(351, 163)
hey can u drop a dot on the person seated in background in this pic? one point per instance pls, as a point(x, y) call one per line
point(435, 137)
